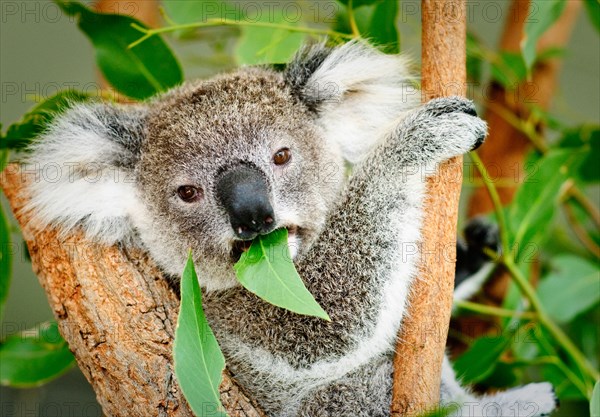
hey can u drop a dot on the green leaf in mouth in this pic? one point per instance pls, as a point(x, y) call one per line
point(267, 270)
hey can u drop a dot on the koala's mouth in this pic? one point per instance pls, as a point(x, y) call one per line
point(241, 246)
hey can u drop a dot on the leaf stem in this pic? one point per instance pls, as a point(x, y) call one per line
point(226, 22)
point(352, 20)
point(493, 311)
point(493, 193)
point(524, 286)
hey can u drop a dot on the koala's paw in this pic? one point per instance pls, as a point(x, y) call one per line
point(533, 400)
point(451, 124)
point(480, 234)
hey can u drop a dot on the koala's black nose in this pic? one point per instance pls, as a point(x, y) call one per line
point(244, 193)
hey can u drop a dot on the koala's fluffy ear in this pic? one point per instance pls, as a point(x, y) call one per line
point(355, 90)
point(84, 171)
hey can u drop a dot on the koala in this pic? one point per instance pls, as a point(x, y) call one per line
point(213, 164)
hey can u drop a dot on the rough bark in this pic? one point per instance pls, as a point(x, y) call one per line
point(118, 315)
point(422, 340)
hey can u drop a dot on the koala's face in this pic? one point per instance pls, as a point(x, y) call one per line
point(226, 160)
point(211, 165)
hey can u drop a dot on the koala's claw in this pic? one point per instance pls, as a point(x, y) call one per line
point(479, 142)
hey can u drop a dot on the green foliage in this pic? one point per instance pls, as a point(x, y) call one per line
point(509, 69)
point(274, 45)
point(5, 260)
point(534, 205)
point(543, 13)
point(573, 278)
point(267, 270)
point(587, 140)
point(593, 8)
point(481, 359)
point(595, 403)
point(138, 72)
point(20, 134)
point(358, 3)
point(375, 21)
point(34, 357)
point(198, 358)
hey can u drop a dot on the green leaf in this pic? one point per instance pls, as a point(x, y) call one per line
point(593, 8)
point(382, 30)
point(268, 45)
point(571, 288)
point(34, 357)
point(194, 11)
point(360, 3)
point(199, 362)
point(20, 134)
point(139, 72)
point(534, 205)
point(5, 259)
point(475, 57)
point(595, 402)
point(509, 69)
point(543, 13)
point(4, 155)
point(363, 17)
point(479, 361)
point(586, 138)
point(267, 270)
point(502, 376)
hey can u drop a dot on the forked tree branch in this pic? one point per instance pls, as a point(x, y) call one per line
point(118, 315)
point(422, 340)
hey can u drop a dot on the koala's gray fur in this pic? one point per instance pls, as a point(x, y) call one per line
point(354, 240)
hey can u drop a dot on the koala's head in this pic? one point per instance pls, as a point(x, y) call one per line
point(213, 164)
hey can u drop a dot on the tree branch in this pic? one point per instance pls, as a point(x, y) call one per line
point(420, 351)
point(118, 315)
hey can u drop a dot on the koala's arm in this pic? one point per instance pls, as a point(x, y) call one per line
point(363, 263)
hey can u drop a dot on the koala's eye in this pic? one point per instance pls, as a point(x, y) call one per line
point(282, 156)
point(189, 193)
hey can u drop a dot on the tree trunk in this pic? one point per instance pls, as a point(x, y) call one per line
point(422, 339)
point(118, 315)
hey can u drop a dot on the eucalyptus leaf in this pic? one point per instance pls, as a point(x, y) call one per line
point(34, 357)
point(564, 388)
point(480, 360)
point(20, 134)
point(586, 138)
point(267, 270)
point(475, 57)
point(360, 3)
point(268, 45)
point(593, 9)
point(4, 155)
point(199, 362)
point(363, 17)
point(139, 72)
point(5, 259)
point(543, 13)
point(509, 69)
point(192, 11)
point(197, 11)
point(595, 402)
point(382, 29)
point(535, 203)
point(571, 288)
